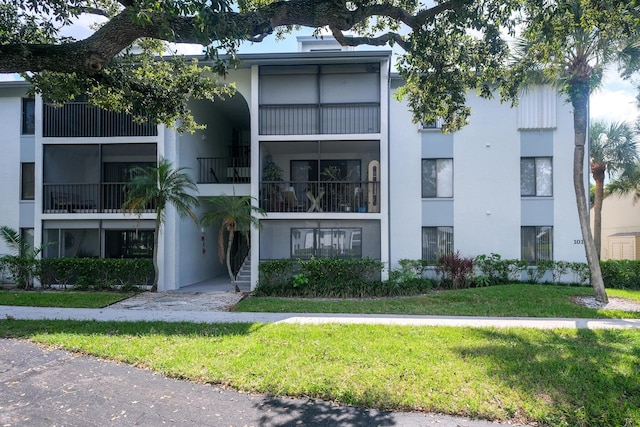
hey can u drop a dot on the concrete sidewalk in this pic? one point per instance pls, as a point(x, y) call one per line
point(125, 315)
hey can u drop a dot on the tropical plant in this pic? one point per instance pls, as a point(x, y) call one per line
point(569, 43)
point(22, 263)
point(272, 175)
point(627, 183)
point(158, 187)
point(612, 149)
point(233, 214)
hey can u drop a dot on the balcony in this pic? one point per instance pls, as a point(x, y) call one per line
point(85, 198)
point(312, 119)
point(224, 170)
point(79, 119)
point(320, 196)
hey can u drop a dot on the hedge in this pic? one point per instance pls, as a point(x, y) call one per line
point(357, 278)
point(333, 278)
point(96, 273)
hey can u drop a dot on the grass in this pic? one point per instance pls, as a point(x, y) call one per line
point(520, 300)
point(64, 299)
point(558, 378)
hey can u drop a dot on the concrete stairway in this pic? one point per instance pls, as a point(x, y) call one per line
point(243, 278)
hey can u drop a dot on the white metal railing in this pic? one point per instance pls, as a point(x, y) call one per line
point(79, 119)
point(308, 119)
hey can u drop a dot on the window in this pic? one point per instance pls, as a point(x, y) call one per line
point(128, 243)
point(536, 176)
point(432, 125)
point(28, 116)
point(70, 242)
point(326, 243)
point(27, 235)
point(27, 191)
point(537, 243)
point(437, 178)
point(436, 241)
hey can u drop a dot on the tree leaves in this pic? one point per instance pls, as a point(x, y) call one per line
point(450, 47)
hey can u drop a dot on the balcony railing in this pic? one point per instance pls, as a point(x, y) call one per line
point(85, 198)
point(320, 196)
point(309, 119)
point(223, 170)
point(79, 119)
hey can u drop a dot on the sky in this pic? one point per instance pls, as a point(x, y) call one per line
point(614, 101)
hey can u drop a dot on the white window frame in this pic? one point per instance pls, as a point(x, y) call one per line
point(539, 252)
point(438, 180)
point(535, 176)
point(445, 245)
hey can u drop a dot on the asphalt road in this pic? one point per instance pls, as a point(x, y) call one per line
point(44, 387)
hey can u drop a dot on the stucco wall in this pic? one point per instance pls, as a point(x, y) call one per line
point(10, 130)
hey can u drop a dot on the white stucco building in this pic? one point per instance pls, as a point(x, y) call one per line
point(318, 139)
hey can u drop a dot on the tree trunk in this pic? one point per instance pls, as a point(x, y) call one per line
point(580, 101)
point(597, 171)
point(154, 287)
point(229, 246)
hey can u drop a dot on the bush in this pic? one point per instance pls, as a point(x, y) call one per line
point(622, 273)
point(355, 278)
point(456, 270)
point(97, 273)
point(581, 272)
point(274, 272)
point(501, 271)
point(21, 270)
point(333, 278)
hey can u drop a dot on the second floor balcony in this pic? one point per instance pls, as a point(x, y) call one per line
point(320, 196)
point(79, 119)
point(312, 119)
point(85, 198)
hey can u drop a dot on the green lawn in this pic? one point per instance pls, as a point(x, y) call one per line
point(65, 299)
point(519, 300)
point(557, 378)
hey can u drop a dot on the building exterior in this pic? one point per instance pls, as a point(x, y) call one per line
point(620, 227)
point(318, 140)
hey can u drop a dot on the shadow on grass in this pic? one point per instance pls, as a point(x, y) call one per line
point(313, 412)
point(25, 329)
point(583, 378)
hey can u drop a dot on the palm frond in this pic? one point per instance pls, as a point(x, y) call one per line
point(231, 213)
point(12, 238)
point(613, 146)
point(158, 187)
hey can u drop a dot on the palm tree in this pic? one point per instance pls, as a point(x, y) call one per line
point(628, 182)
point(158, 187)
point(233, 214)
point(612, 149)
point(569, 43)
point(22, 263)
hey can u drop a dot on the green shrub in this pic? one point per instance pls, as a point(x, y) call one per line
point(581, 272)
point(97, 273)
point(21, 270)
point(275, 272)
point(622, 273)
point(500, 271)
point(535, 273)
point(333, 278)
point(416, 267)
point(354, 278)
